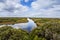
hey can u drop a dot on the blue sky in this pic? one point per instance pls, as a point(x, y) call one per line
point(30, 8)
point(28, 3)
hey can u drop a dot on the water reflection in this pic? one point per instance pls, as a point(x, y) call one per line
point(25, 26)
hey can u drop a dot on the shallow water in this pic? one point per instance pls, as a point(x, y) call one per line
point(25, 26)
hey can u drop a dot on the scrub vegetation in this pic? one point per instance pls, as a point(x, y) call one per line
point(47, 29)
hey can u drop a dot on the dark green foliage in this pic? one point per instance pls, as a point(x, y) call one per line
point(12, 20)
point(9, 33)
point(48, 29)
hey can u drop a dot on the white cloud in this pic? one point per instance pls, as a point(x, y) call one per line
point(12, 8)
point(2, 6)
point(26, 0)
point(40, 8)
point(35, 6)
point(41, 3)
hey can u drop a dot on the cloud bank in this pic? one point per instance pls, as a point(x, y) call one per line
point(39, 8)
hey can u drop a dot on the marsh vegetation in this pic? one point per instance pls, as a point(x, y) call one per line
point(47, 29)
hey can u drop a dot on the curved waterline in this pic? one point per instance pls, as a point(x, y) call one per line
point(30, 25)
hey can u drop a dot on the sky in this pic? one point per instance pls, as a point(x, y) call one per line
point(30, 8)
